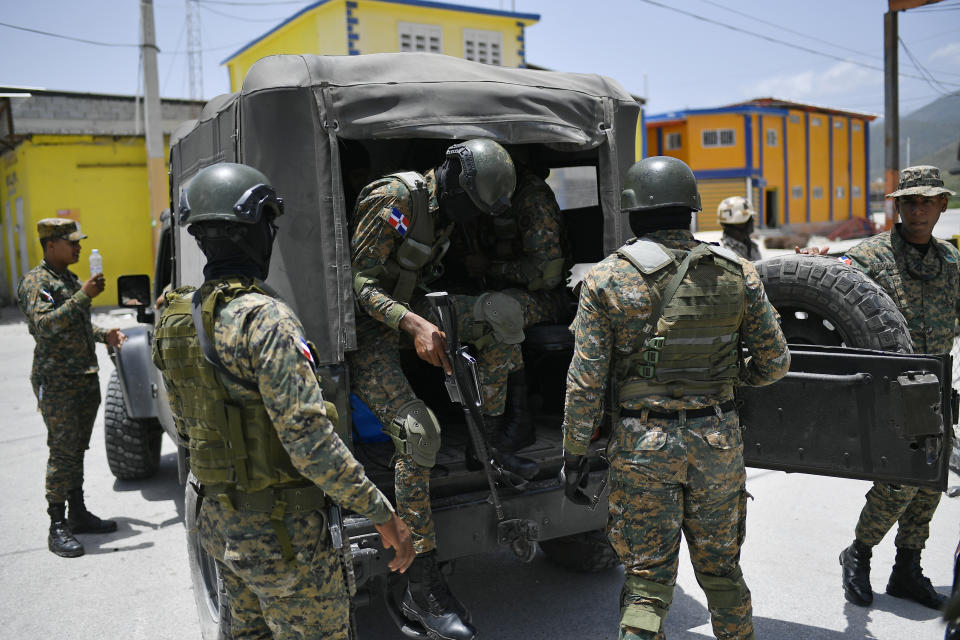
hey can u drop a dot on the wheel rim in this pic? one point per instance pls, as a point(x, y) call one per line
point(211, 583)
point(802, 326)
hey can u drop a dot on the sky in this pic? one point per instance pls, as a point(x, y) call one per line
point(679, 54)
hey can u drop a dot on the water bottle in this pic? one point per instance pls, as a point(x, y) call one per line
point(96, 263)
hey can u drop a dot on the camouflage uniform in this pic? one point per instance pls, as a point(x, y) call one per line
point(748, 249)
point(260, 339)
point(668, 476)
point(64, 375)
point(926, 289)
point(384, 212)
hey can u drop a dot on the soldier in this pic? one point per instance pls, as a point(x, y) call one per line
point(525, 254)
point(736, 216)
point(663, 319)
point(64, 376)
point(261, 438)
point(400, 230)
point(920, 273)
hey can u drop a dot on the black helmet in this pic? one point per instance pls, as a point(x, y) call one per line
point(487, 174)
point(228, 193)
point(659, 182)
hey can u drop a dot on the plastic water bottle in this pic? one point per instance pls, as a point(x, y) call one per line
point(96, 263)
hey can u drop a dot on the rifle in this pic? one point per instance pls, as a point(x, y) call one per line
point(341, 544)
point(463, 387)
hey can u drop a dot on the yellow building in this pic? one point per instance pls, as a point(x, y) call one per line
point(78, 156)
point(352, 27)
point(796, 163)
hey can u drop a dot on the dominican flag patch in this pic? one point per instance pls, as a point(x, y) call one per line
point(845, 260)
point(399, 221)
point(305, 350)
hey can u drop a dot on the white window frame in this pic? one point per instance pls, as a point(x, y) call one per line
point(773, 137)
point(841, 191)
point(856, 126)
point(719, 135)
point(794, 118)
point(796, 193)
point(838, 124)
point(855, 191)
point(483, 45)
point(413, 36)
point(674, 141)
point(817, 193)
point(814, 121)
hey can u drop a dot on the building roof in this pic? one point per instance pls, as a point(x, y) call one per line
point(417, 3)
point(771, 106)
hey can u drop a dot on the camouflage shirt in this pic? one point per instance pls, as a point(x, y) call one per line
point(58, 316)
point(260, 338)
point(382, 216)
point(615, 302)
point(924, 286)
point(748, 250)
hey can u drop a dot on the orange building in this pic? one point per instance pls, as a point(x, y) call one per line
point(796, 163)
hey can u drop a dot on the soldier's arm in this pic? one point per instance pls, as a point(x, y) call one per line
point(269, 347)
point(587, 375)
point(374, 241)
point(541, 264)
point(769, 357)
point(47, 318)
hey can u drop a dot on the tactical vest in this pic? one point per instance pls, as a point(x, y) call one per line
point(419, 248)
point(690, 344)
point(508, 246)
point(233, 445)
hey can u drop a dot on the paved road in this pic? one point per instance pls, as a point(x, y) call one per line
point(134, 583)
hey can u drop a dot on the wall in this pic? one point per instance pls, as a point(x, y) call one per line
point(771, 159)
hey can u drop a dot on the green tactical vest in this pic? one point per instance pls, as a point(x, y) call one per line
point(690, 344)
point(232, 443)
point(419, 248)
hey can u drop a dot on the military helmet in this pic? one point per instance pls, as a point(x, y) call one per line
point(228, 192)
point(657, 183)
point(487, 174)
point(735, 210)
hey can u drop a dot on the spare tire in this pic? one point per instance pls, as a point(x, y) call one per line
point(823, 301)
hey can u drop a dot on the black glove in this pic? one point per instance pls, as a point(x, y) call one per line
point(574, 476)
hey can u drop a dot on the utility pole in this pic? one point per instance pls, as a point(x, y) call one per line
point(194, 51)
point(156, 167)
point(891, 101)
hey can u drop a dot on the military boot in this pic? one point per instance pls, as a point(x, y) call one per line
point(81, 520)
point(61, 540)
point(428, 600)
point(518, 431)
point(523, 467)
point(855, 562)
point(907, 581)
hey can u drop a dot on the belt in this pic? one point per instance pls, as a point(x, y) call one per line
point(306, 498)
point(729, 405)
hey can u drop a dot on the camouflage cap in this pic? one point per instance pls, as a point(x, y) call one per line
point(59, 228)
point(922, 180)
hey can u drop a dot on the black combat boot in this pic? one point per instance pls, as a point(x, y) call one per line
point(855, 562)
point(81, 520)
point(518, 431)
point(907, 581)
point(61, 540)
point(428, 600)
point(523, 467)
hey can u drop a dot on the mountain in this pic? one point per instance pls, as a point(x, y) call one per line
point(934, 133)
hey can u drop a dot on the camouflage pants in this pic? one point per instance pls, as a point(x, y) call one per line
point(69, 407)
point(911, 507)
point(667, 479)
point(377, 378)
point(553, 306)
point(270, 597)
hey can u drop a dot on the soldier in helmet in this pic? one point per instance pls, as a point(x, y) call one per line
point(243, 386)
point(920, 273)
point(663, 320)
point(64, 376)
point(400, 230)
point(736, 216)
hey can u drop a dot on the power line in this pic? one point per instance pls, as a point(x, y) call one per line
point(204, 6)
point(58, 35)
point(251, 4)
point(923, 71)
point(776, 41)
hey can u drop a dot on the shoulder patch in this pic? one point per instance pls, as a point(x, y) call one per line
point(647, 256)
point(398, 221)
point(725, 252)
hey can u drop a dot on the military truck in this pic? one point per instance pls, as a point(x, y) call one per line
point(322, 126)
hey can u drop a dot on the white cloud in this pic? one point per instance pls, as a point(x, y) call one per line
point(949, 54)
point(840, 80)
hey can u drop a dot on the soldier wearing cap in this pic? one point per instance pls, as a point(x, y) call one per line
point(920, 273)
point(64, 376)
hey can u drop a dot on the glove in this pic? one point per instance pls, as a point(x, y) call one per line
point(574, 476)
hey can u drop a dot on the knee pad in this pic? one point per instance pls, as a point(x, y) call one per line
point(723, 592)
point(502, 314)
point(416, 432)
point(639, 608)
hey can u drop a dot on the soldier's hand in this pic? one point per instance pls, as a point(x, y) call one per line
point(812, 251)
point(395, 535)
point(94, 286)
point(428, 340)
point(574, 476)
point(116, 338)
